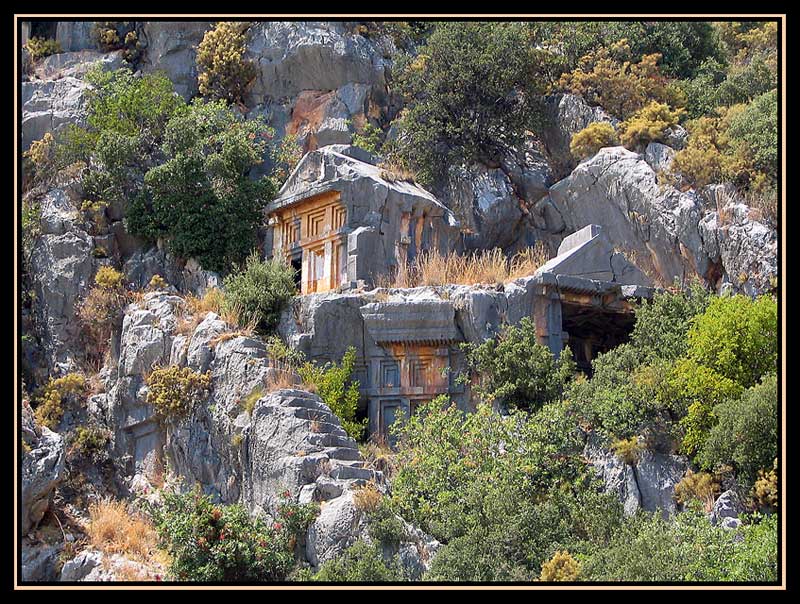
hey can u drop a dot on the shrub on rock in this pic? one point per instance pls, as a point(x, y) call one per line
point(591, 139)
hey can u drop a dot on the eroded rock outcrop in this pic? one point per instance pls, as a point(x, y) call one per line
point(659, 226)
point(42, 469)
point(289, 440)
point(648, 484)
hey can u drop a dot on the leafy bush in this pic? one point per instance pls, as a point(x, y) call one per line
point(616, 401)
point(452, 467)
point(384, 525)
point(517, 370)
point(561, 567)
point(663, 322)
point(746, 434)
point(691, 391)
point(688, 548)
point(126, 119)
point(471, 94)
point(756, 127)
point(360, 562)
point(174, 391)
point(369, 139)
point(210, 542)
point(608, 77)
point(331, 382)
point(116, 35)
point(40, 48)
point(649, 124)
point(737, 337)
point(41, 153)
point(201, 199)
point(90, 442)
point(591, 139)
point(285, 157)
point(50, 402)
point(627, 449)
point(260, 291)
point(222, 71)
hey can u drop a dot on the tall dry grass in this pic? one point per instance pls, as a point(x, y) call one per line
point(484, 267)
point(114, 530)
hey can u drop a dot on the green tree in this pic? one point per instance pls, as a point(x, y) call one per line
point(201, 198)
point(515, 369)
point(746, 434)
point(471, 94)
point(737, 337)
point(757, 128)
point(663, 322)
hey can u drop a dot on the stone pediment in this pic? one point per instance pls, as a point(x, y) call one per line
point(412, 321)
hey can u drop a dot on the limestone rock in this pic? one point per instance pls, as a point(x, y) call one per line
point(656, 476)
point(81, 565)
point(75, 35)
point(76, 64)
point(51, 105)
point(42, 470)
point(727, 506)
point(659, 157)
point(618, 477)
point(39, 561)
point(171, 47)
point(566, 115)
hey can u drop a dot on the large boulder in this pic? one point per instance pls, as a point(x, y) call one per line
point(648, 484)
point(76, 64)
point(75, 35)
point(727, 506)
point(42, 469)
point(566, 115)
point(50, 106)
point(171, 47)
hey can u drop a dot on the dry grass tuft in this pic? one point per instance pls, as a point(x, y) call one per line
point(114, 530)
point(279, 379)
point(379, 456)
point(484, 267)
point(212, 301)
point(367, 498)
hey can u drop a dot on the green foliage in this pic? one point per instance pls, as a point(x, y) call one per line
point(455, 468)
point(649, 124)
point(174, 390)
point(359, 563)
point(591, 139)
point(40, 48)
point(620, 400)
point(663, 322)
point(756, 127)
point(285, 157)
point(284, 355)
point(331, 382)
point(688, 548)
point(370, 138)
point(210, 542)
point(384, 525)
point(692, 391)
point(126, 118)
point(31, 225)
point(746, 434)
point(201, 198)
point(260, 291)
point(49, 403)
point(471, 94)
point(517, 370)
point(222, 71)
point(737, 337)
point(90, 441)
